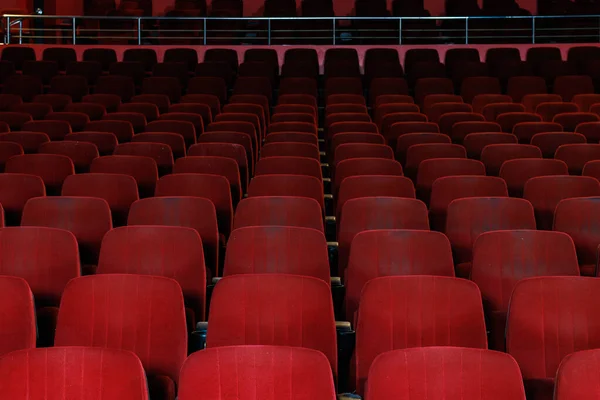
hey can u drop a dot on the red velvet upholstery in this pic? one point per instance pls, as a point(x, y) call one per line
point(364, 166)
point(17, 330)
point(576, 155)
point(289, 166)
point(77, 120)
point(591, 130)
point(290, 150)
point(358, 186)
point(545, 192)
point(222, 166)
point(549, 142)
point(416, 311)
point(549, 110)
point(436, 111)
point(173, 252)
point(263, 372)
point(294, 137)
point(287, 185)
point(81, 153)
point(123, 130)
point(87, 218)
point(420, 152)
point(494, 155)
point(369, 213)
point(501, 259)
point(445, 190)
point(84, 373)
point(434, 168)
point(52, 168)
point(174, 140)
point(212, 187)
point(389, 252)
point(29, 141)
point(509, 120)
point(578, 218)
point(119, 191)
point(279, 211)
point(15, 190)
point(184, 128)
point(282, 310)
point(229, 150)
point(8, 150)
point(191, 212)
point(524, 131)
point(462, 129)
point(142, 169)
point(549, 318)
point(517, 172)
point(362, 150)
point(112, 310)
point(104, 141)
point(577, 376)
point(449, 373)
point(161, 153)
point(46, 258)
point(277, 249)
point(571, 120)
point(469, 217)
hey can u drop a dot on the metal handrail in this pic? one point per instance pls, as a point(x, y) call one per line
point(17, 19)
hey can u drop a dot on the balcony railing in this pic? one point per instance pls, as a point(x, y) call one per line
point(300, 30)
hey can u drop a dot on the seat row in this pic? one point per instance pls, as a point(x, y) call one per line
point(431, 311)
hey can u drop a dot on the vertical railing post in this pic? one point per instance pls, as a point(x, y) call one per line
point(400, 30)
point(333, 19)
point(21, 31)
point(73, 22)
point(466, 30)
point(205, 31)
point(7, 30)
point(139, 30)
point(533, 29)
point(269, 31)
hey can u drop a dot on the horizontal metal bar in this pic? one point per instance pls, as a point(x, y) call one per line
point(340, 18)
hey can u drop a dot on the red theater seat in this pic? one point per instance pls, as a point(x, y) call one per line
point(149, 303)
point(470, 217)
point(15, 191)
point(388, 252)
point(284, 310)
point(537, 307)
point(577, 155)
point(212, 187)
point(368, 213)
point(18, 310)
point(287, 185)
point(577, 217)
point(451, 373)
point(191, 212)
point(445, 190)
point(277, 250)
point(172, 252)
point(52, 168)
point(289, 166)
point(574, 375)
point(428, 311)
point(119, 373)
point(494, 155)
point(81, 153)
point(517, 172)
point(87, 218)
point(292, 365)
point(279, 211)
point(502, 258)
point(545, 192)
